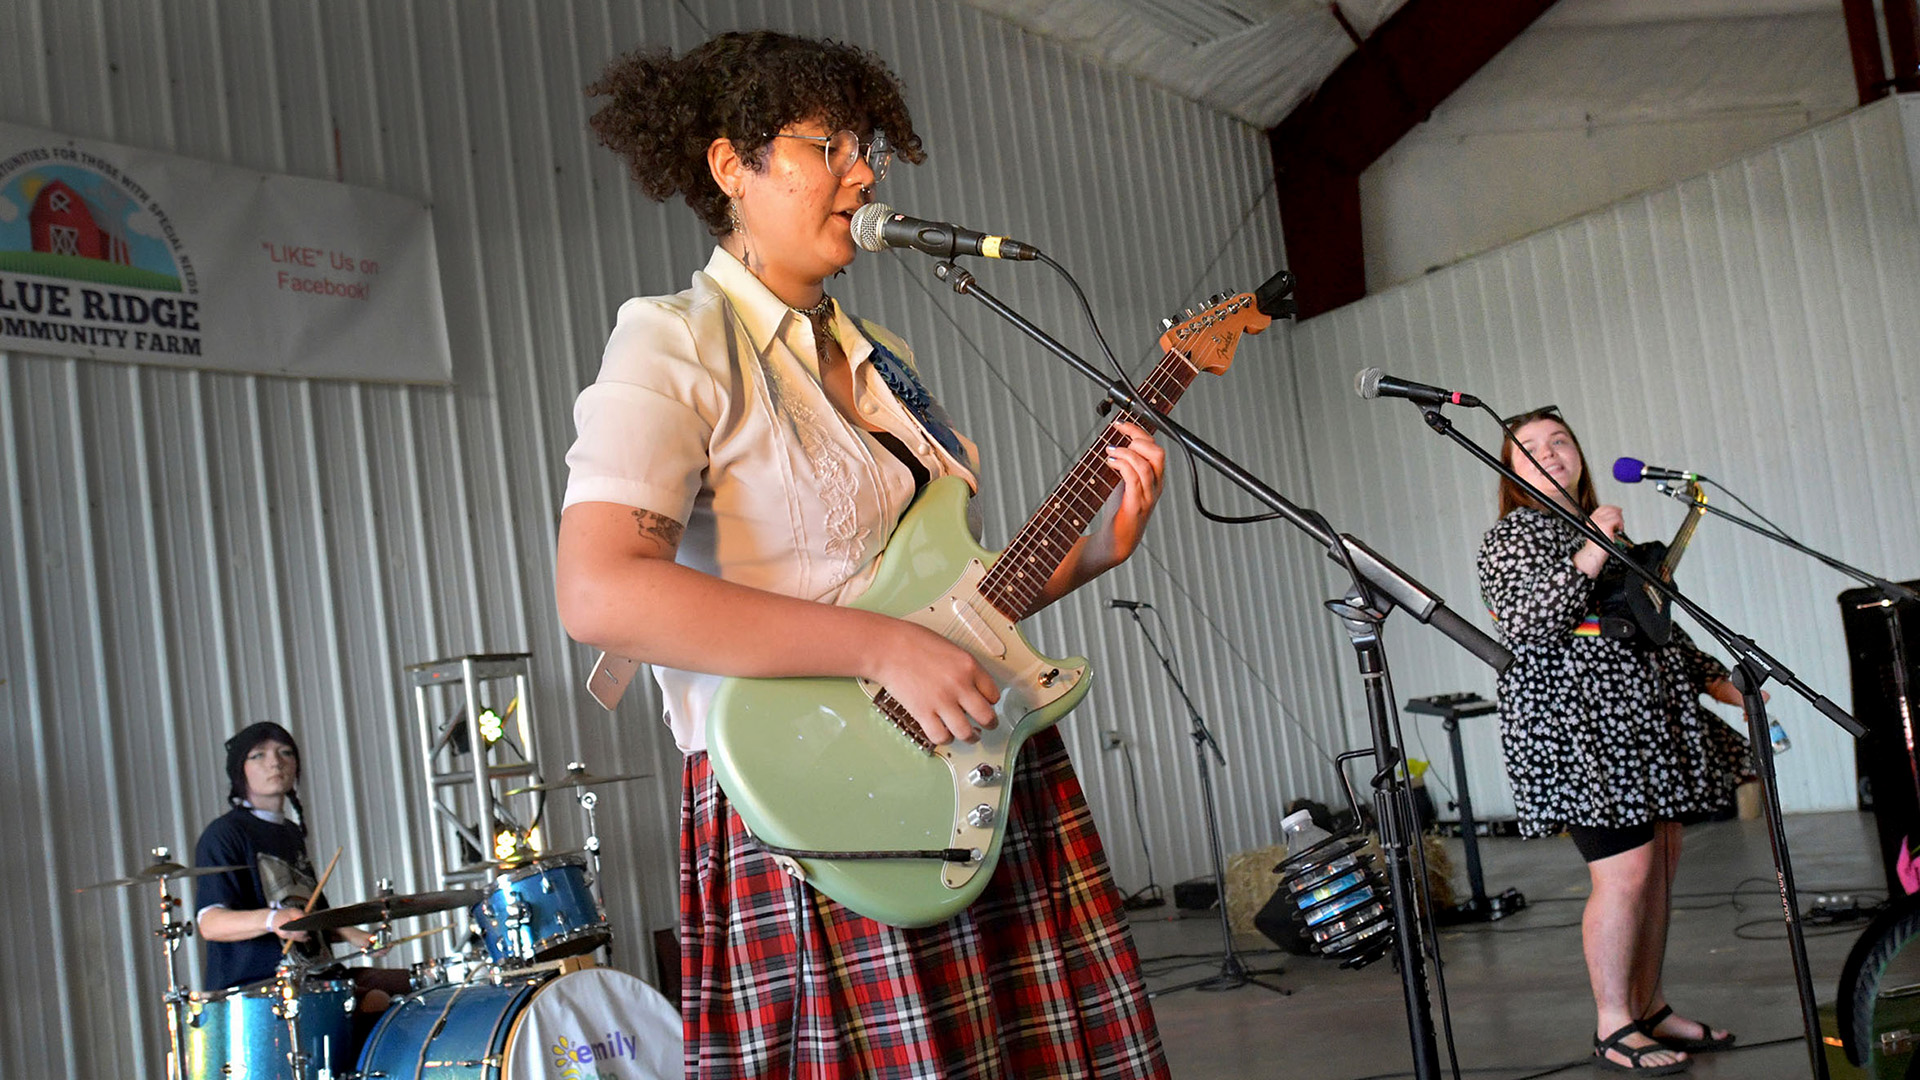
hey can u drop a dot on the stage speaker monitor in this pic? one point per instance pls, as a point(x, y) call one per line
point(1889, 771)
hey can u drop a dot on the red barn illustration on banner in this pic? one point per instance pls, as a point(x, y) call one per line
point(63, 224)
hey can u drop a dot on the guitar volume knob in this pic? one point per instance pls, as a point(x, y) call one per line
point(980, 817)
point(982, 775)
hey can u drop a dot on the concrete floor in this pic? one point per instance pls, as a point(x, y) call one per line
point(1518, 987)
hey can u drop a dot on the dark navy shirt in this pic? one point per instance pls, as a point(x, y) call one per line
point(279, 873)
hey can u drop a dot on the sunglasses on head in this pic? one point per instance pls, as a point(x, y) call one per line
point(1544, 412)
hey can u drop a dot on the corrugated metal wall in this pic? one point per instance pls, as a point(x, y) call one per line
point(184, 553)
point(1759, 323)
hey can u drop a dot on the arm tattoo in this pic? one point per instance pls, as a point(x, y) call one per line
point(659, 529)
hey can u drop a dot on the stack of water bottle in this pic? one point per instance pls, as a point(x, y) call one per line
point(1336, 892)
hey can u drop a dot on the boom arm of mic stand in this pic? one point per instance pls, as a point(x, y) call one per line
point(1383, 582)
point(1758, 660)
point(1892, 590)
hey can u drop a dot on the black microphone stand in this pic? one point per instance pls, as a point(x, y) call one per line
point(1892, 595)
point(1752, 668)
point(1233, 974)
point(1378, 586)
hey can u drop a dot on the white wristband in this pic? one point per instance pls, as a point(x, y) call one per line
point(270, 914)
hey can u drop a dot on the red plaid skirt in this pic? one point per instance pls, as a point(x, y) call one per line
point(1038, 978)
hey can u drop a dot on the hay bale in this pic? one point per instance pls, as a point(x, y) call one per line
point(1250, 882)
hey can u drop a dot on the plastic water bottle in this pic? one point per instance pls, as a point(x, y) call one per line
point(1301, 833)
point(1774, 732)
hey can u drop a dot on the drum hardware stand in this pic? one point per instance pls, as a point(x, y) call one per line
point(1381, 584)
point(588, 799)
point(1752, 668)
point(1233, 974)
point(1479, 907)
point(171, 934)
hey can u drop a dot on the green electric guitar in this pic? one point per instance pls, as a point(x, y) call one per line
point(835, 777)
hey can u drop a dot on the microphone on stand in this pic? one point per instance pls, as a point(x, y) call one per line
point(876, 228)
point(1372, 383)
point(1128, 605)
point(1632, 470)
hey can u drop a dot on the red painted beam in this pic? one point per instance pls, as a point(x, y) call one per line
point(1903, 43)
point(1863, 38)
point(1390, 83)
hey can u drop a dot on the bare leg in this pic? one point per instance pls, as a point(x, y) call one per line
point(1656, 916)
point(1647, 975)
point(1611, 930)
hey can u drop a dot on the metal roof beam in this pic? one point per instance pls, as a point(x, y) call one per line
point(1423, 53)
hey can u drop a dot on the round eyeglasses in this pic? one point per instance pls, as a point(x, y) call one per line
point(843, 149)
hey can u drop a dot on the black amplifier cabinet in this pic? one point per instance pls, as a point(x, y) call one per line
point(1883, 645)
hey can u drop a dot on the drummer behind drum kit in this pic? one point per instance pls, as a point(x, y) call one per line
point(525, 999)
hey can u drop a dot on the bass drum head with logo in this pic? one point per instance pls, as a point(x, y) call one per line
point(584, 1024)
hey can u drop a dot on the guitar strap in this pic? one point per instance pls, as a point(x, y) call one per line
point(911, 392)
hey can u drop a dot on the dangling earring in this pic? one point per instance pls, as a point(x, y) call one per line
point(739, 228)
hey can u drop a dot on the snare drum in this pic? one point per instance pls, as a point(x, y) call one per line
point(441, 970)
point(528, 1026)
point(233, 1034)
point(541, 911)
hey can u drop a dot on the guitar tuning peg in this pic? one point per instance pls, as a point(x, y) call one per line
point(1216, 298)
point(1166, 323)
point(1185, 314)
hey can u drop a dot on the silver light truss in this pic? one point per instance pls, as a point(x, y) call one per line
point(467, 776)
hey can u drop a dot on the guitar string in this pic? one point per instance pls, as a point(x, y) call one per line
point(1161, 389)
point(1168, 380)
point(1077, 506)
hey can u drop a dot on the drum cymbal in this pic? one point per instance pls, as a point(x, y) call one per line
point(579, 778)
point(160, 871)
point(387, 908)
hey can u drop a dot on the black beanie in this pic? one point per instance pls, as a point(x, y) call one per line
point(242, 744)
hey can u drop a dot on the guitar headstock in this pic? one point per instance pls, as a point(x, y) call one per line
point(1207, 337)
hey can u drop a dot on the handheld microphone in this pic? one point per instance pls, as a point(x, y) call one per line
point(1372, 383)
point(1128, 605)
point(876, 228)
point(1632, 470)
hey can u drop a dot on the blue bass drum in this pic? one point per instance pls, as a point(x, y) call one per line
point(541, 911)
point(248, 1032)
point(529, 1026)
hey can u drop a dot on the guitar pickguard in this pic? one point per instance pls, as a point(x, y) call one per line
point(1028, 683)
point(812, 764)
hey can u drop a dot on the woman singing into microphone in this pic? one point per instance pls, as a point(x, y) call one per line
point(1604, 739)
point(741, 460)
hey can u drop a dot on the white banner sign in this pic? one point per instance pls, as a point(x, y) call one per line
point(113, 253)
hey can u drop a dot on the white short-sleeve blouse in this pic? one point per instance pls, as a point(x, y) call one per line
point(709, 410)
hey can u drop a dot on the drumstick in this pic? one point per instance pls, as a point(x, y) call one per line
point(286, 945)
point(396, 943)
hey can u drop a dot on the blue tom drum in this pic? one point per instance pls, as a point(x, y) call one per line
point(541, 911)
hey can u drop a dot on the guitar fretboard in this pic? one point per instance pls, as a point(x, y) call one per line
point(1014, 584)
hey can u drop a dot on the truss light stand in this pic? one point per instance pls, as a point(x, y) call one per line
point(473, 756)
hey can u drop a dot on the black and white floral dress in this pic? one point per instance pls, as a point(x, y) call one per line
point(1596, 732)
